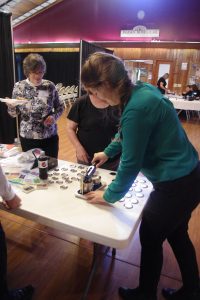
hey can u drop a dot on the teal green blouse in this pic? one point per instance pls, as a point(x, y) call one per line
point(152, 140)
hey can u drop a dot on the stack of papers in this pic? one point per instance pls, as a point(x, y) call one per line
point(14, 102)
point(8, 150)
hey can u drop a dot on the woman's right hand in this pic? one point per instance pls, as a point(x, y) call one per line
point(10, 106)
point(99, 158)
point(82, 155)
point(15, 202)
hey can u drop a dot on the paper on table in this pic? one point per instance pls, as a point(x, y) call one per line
point(8, 150)
point(14, 164)
point(14, 102)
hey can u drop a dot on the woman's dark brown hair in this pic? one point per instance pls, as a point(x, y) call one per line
point(195, 87)
point(103, 69)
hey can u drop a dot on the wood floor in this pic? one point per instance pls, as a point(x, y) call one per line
point(57, 264)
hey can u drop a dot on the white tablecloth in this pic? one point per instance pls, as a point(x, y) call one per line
point(185, 104)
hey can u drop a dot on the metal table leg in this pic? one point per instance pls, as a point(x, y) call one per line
point(95, 260)
point(113, 252)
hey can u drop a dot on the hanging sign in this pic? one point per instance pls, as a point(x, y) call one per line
point(140, 31)
point(184, 66)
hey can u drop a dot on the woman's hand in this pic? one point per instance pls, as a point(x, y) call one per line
point(15, 202)
point(96, 197)
point(50, 120)
point(10, 106)
point(82, 155)
point(99, 158)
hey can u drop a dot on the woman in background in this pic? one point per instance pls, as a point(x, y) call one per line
point(38, 116)
point(161, 84)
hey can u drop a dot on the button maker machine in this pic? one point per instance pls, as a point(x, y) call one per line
point(89, 182)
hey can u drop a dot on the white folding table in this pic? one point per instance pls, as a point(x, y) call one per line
point(182, 104)
point(112, 225)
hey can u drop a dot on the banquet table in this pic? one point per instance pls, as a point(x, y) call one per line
point(182, 104)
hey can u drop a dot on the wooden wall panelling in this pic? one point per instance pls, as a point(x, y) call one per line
point(28, 50)
point(177, 56)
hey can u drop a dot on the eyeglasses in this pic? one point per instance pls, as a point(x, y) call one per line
point(37, 72)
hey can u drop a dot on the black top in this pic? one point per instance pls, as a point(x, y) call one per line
point(96, 126)
point(161, 79)
point(192, 94)
point(189, 93)
point(196, 93)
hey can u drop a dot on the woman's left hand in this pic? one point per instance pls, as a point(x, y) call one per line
point(96, 197)
point(50, 120)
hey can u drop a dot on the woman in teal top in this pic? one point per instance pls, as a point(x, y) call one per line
point(152, 140)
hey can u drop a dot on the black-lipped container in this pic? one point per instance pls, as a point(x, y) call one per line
point(43, 166)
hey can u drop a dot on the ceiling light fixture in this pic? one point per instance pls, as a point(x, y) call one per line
point(7, 7)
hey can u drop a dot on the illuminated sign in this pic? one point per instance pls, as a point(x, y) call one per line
point(140, 31)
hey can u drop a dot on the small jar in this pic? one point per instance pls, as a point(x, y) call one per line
point(96, 179)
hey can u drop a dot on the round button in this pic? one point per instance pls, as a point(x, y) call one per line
point(141, 180)
point(128, 195)
point(64, 187)
point(144, 186)
point(50, 181)
point(122, 200)
point(134, 201)
point(59, 181)
point(72, 166)
point(81, 167)
point(128, 205)
point(139, 195)
point(137, 189)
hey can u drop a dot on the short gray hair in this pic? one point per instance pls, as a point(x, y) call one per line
point(32, 63)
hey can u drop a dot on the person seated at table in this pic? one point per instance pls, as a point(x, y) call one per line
point(188, 91)
point(91, 126)
point(10, 201)
point(38, 128)
point(195, 91)
point(161, 84)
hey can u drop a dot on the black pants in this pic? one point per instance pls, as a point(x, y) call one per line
point(50, 145)
point(166, 216)
point(3, 263)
